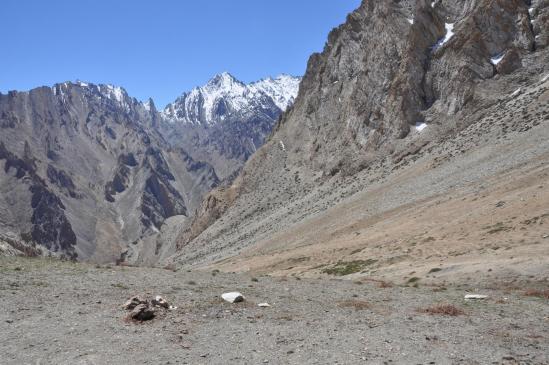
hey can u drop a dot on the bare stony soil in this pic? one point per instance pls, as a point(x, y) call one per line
point(64, 313)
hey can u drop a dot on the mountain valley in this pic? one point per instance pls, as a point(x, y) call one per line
point(367, 161)
point(389, 207)
point(92, 174)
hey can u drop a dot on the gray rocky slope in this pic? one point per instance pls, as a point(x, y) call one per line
point(90, 173)
point(399, 79)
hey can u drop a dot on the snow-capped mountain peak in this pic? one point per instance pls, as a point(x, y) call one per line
point(224, 96)
point(116, 93)
point(223, 80)
point(283, 89)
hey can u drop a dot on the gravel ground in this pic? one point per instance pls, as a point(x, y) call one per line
point(66, 313)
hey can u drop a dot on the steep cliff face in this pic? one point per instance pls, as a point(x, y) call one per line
point(367, 92)
point(84, 172)
point(396, 76)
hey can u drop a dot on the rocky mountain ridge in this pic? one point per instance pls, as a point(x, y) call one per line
point(84, 171)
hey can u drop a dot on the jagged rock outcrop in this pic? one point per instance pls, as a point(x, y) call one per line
point(49, 225)
point(392, 70)
point(14, 246)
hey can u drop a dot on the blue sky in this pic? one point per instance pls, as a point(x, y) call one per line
point(160, 48)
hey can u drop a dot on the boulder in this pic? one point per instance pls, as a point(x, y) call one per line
point(475, 297)
point(510, 63)
point(233, 297)
point(134, 302)
point(160, 302)
point(143, 312)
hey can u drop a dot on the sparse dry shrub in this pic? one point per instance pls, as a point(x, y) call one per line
point(380, 283)
point(354, 303)
point(384, 284)
point(443, 310)
point(170, 267)
point(123, 264)
point(537, 293)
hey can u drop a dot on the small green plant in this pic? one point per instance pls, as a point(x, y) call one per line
point(496, 228)
point(439, 289)
point(120, 286)
point(347, 268)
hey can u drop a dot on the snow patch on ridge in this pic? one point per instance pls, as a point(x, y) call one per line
point(147, 105)
point(449, 34)
point(116, 93)
point(516, 92)
point(283, 89)
point(497, 59)
point(420, 126)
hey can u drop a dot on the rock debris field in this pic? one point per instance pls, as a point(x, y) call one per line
point(66, 313)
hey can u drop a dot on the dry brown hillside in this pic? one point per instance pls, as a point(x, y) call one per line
point(416, 149)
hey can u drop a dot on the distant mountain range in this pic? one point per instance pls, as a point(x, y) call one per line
point(224, 96)
point(92, 173)
point(226, 121)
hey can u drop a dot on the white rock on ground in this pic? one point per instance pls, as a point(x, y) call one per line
point(160, 302)
point(264, 305)
point(233, 297)
point(475, 296)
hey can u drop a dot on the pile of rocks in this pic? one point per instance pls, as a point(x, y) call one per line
point(142, 309)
